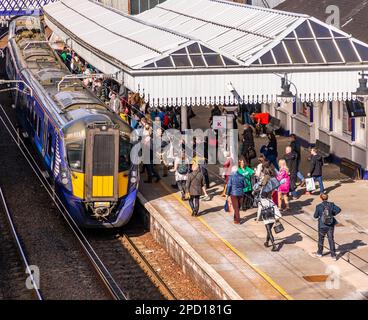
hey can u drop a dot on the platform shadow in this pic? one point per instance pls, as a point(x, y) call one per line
point(210, 210)
point(348, 247)
point(292, 239)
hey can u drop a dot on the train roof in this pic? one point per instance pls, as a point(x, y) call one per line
point(67, 99)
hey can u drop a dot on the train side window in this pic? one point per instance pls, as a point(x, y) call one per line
point(38, 126)
point(34, 119)
point(49, 145)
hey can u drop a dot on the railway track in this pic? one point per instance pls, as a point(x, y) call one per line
point(134, 275)
point(107, 285)
point(13, 260)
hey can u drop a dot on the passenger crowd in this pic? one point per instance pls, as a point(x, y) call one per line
point(269, 185)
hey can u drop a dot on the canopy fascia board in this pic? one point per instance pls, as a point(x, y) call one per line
point(252, 88)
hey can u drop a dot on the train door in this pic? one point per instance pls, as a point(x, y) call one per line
point(102, 164)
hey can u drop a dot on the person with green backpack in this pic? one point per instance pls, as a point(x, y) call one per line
point(247, 173)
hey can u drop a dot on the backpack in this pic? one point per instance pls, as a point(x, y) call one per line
point(183, 168)
point(327, 216)
point(268, 213)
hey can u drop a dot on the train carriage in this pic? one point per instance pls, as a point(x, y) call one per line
point(84, 146)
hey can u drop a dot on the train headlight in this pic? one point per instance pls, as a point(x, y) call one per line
point(133, 180)
point(64, 181)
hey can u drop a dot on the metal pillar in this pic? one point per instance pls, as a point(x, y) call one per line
point(184, 117)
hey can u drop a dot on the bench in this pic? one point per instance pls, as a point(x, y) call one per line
point(274, 124)
point(351, 168)
point(323, 149)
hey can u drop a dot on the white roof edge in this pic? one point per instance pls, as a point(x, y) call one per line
point(261, 8)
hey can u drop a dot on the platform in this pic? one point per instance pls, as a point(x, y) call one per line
point(234, 255)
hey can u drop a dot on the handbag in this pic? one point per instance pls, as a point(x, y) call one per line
point(251, 153)
point(310, 185)
point(278, 227)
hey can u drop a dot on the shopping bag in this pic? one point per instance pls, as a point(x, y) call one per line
point(310, 185)
point(226, 206)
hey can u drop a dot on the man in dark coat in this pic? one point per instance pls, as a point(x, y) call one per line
point(291, 159)
point(248, 146)
point(316, 169)
point(295, 146)
point(323, 209)
point(195, 186)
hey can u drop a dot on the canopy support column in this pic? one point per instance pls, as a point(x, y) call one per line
point(184, 117)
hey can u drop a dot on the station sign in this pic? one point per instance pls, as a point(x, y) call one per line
point(219, 122)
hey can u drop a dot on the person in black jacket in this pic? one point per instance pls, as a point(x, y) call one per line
point(326, 229)
point(291, 159)
point(295, 146)
point(271, 150)
point(195, 186)
point(248, 146)
point(316, 169)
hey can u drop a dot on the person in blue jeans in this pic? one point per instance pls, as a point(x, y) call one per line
point(316, 169)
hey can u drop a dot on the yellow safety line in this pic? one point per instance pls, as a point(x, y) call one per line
point(232, 248)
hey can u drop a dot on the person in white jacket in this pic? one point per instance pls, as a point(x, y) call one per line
point(264, 203)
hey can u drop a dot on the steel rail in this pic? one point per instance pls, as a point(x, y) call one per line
point(96, 262)
point(21, 252)
point(142, 261)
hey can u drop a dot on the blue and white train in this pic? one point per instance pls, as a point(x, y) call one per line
point(84, 146)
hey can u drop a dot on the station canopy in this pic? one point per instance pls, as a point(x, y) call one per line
point(189, 51)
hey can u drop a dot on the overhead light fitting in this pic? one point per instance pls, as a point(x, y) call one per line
point(362, 90)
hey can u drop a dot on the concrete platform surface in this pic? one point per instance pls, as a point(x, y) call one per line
point(237, 254)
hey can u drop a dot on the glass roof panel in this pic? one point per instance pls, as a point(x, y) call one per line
point(194, 48)
point(347, 50)
point(197, 61)
point(329, 50)
point(294, 51)
point(181, 51)
point(207, 50)
point(164, 63)
point(229, 62)
point(320, 31)
point(181, 61)
point(291, 35)
point(149, 66)
point(256, 62)
point(303, 31)
point(280, 54)
point(267, 58)
point(362, 50)
point(213, 60)
point(311, 51)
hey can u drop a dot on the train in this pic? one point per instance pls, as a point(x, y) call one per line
point(84, 146)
